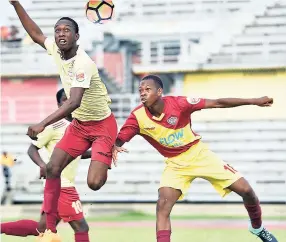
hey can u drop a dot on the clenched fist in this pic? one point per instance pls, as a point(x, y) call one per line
point(263, 101)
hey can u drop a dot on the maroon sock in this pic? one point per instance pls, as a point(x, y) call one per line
point(81, 237)
point(164, 236)
point(254, 212)
point(20, 228)
point(51, 197)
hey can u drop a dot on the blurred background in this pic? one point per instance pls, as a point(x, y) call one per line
point(200, 48)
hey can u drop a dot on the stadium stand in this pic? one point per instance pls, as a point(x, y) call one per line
point(255, 148)
point(263, 39)
point(175, 36)
point(185, 35)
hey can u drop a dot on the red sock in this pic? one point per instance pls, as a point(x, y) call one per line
point(51, 197)
point(164, 236)
point(20, 228)
point(254, 212)
point(81, 237)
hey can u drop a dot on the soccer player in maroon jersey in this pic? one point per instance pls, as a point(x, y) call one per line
point(165, 123)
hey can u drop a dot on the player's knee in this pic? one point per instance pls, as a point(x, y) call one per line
point(248, 192)
point(95, 184)
point(53, 170)
point(83, 227)
point(80, 226)
point(164, 206)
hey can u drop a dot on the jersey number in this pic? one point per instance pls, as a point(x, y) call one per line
point(77, 207)
point(230, 168)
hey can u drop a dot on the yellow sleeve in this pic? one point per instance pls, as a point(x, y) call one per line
point(51, 46)
point(44, 138)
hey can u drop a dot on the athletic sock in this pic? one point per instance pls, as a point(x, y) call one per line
point(51, 197)
point(20, 228)
point(164, 236)
point(81, 237)
point(254, 212)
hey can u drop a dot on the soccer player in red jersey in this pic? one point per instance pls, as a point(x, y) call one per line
point(93, 123)
point(69, 205)
point(165, 123)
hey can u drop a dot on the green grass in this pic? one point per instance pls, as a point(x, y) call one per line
point(147, 235)
point(140, 216)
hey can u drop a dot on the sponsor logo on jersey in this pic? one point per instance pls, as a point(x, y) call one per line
point(173, 140)
point(149, 128)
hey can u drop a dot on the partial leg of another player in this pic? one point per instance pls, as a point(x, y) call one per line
point(59, 160)
point(252, 205)
point(81, 229)
point(167, 199)
point(23, 228)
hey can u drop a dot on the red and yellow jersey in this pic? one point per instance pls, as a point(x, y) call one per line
point(171, 134)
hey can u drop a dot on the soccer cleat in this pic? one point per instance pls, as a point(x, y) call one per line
point(265, 236)
point(49, 236)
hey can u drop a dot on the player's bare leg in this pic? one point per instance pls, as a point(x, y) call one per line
point(252, 205)
point(81, 229)
point(59, 160)
point(167, 199)
point(97, 175)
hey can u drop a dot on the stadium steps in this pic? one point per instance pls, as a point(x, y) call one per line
point(255, 148)
point(263, 39)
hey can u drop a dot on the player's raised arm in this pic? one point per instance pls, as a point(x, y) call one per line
point(30, 26)
point(235, 102)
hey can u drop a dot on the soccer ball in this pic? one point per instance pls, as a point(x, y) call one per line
point(99, 11)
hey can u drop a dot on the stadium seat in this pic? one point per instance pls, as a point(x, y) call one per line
point(137, 177)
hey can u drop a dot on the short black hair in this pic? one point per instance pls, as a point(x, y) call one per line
point(75, 25)
point(60, 94)
point(157, 80)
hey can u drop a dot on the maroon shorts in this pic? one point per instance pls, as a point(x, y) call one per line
point(100, 135)
point(69, 205)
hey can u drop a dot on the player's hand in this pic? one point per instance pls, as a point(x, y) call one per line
point(34, 130)
point(115, 151)
point(13, 1)
point(263, 101)
point(43, 172)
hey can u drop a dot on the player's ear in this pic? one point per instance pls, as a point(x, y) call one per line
point(77, 36)
point(160, 91)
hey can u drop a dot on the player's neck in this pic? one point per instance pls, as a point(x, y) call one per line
point(69, 53)
point(157, 108)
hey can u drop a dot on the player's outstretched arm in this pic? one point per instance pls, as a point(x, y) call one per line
point(34, 154)
point(235, 102)
point(30, 26)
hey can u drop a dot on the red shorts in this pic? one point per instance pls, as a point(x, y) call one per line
point(69, 205)
point(100, 135)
